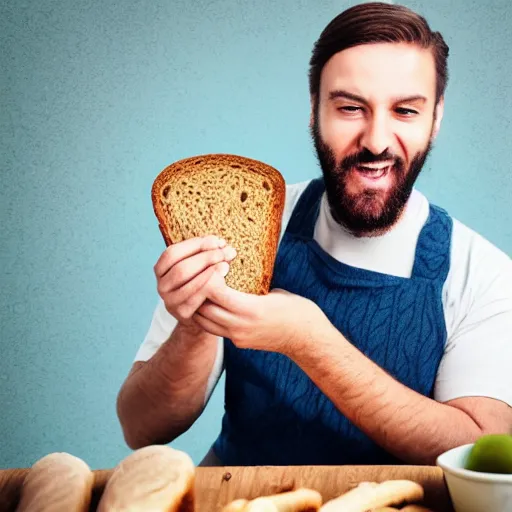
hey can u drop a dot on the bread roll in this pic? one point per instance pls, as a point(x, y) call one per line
point(416, 508)
point(58, 482)
point(261, 505)
point(300, 500)
point(235, 505)
point(155, 478)
point(370, 495)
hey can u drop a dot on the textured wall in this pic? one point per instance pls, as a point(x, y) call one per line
point(96, 98)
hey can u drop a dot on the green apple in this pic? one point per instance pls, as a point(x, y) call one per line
point(491, 454)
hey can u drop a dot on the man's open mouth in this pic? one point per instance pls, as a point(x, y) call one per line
point(375, 170)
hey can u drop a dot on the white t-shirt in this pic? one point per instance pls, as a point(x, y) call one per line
point(477, 297)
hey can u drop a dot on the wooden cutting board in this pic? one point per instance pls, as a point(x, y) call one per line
point(218, 486)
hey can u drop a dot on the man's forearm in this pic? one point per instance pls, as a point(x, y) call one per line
point(413, 427)
point(163, 397)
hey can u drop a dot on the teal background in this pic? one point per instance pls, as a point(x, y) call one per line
point(97, 98)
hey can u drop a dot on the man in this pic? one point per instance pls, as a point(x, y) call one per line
point(387, 335)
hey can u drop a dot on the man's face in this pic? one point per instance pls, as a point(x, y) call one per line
point(372, 125)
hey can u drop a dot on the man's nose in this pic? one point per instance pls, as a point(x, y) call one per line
point(377, 136)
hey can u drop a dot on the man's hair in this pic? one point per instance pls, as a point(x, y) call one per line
point(377, 22)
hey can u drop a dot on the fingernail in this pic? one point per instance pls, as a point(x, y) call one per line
point(221, 242)
point(229, 252)
point(223, 269)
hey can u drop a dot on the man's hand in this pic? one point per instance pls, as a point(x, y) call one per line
point(184, 271)
point(270, 322)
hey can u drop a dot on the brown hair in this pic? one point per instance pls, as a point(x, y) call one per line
point(377, 22)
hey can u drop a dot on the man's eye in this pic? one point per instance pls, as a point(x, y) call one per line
point(349, 109)
point(406, 112)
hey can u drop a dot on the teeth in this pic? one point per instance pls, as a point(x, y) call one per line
point(374, 172)
point(379, 165)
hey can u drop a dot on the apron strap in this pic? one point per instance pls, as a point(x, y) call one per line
point(432, 259)
point(303, 219)
point(432, 256)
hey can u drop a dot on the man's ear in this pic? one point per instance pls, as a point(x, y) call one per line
point(439, 117)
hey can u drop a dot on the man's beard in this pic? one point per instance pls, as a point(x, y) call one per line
point(366, 213)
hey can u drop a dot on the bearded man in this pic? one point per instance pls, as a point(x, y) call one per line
point(386, 337)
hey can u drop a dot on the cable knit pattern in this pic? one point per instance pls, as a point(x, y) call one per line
point(274, 413)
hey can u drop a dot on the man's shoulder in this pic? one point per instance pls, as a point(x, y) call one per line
point(468, 243)
point(295, 189)
point(293, 193)
point(478, 286)
point(471, 245)
point(479, 270)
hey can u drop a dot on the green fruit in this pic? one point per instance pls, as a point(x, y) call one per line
point(491, 454)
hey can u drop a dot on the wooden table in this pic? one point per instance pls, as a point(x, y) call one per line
point(217, 486)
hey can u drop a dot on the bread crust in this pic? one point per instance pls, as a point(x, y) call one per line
point(156, 477)
point(371, 495)
point(58, 482)
point(268, 251)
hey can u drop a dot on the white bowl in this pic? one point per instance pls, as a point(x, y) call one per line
point(472, 491)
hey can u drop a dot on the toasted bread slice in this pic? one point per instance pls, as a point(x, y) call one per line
point(233, 197)
point(157, 478)
point(58, 482)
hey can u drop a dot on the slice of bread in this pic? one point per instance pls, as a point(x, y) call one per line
point(233, 197)
point(155, 478)
point(58, 482)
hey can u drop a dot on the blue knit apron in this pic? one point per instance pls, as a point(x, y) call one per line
point(274, 413)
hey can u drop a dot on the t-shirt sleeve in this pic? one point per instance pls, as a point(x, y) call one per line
point(161, 326)
point(478, 355)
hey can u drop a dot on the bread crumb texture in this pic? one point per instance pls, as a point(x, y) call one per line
point(233, 197)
